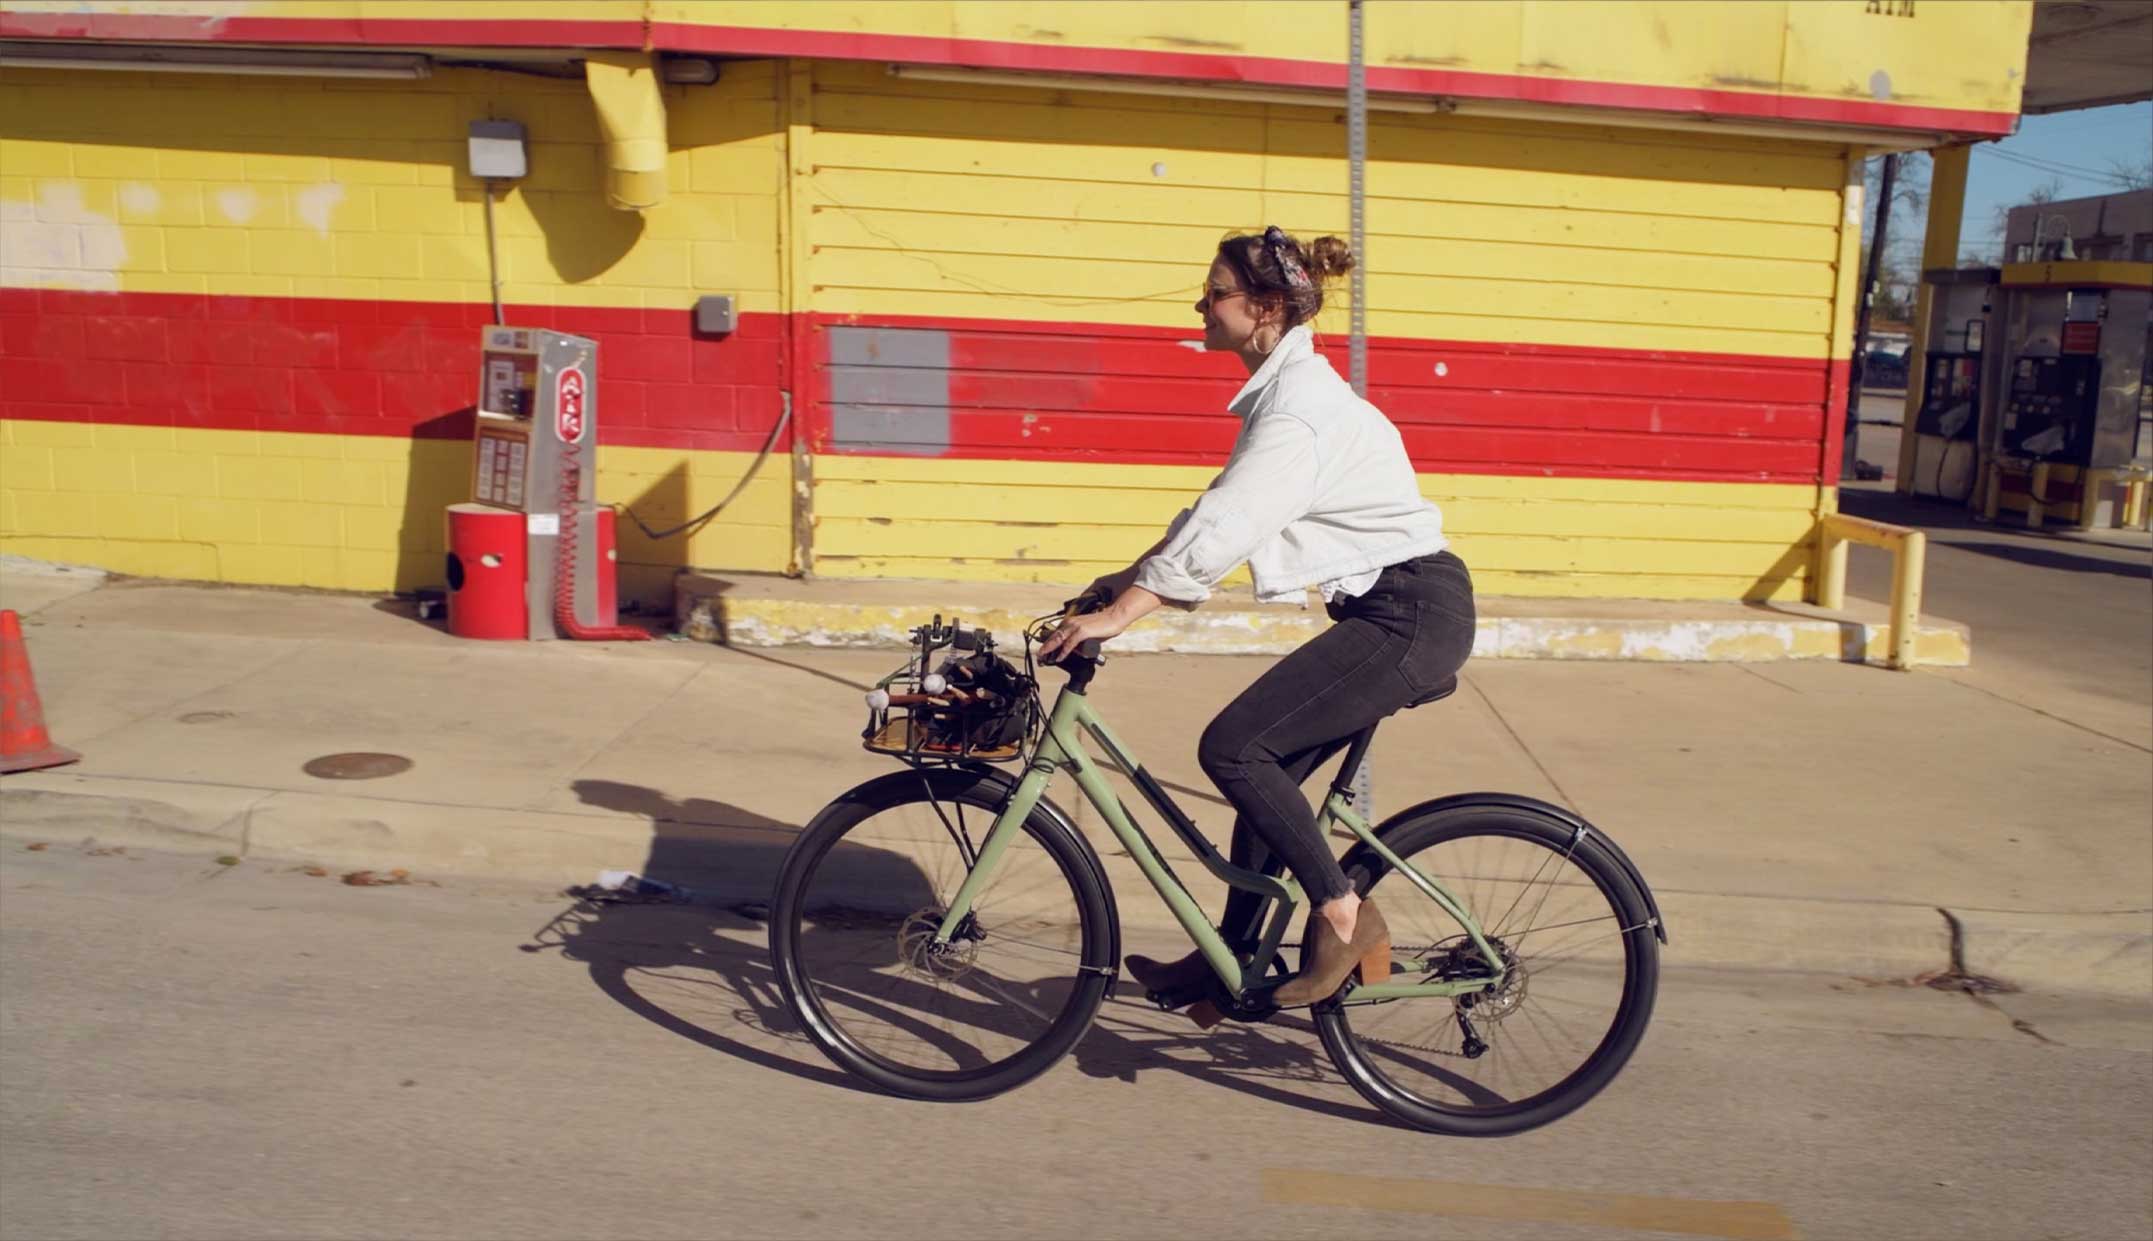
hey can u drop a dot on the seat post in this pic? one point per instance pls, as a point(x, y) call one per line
point(1356, 754)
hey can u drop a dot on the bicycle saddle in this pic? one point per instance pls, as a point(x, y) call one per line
point(1438, 694)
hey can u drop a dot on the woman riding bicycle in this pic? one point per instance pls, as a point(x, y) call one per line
point(1317, 492)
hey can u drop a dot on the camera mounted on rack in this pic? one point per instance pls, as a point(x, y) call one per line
point(970, 705)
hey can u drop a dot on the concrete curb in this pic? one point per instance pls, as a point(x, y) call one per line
point(815, 614)
point(1878, 943)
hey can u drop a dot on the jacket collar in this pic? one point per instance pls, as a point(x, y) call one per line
point(1293, 344)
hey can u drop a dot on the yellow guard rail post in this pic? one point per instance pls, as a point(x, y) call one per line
point(1909, 550)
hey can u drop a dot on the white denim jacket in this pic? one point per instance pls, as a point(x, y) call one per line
point(1318, 492)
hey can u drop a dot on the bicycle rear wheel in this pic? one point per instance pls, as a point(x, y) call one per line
point(1581, 962)
point(858, 902)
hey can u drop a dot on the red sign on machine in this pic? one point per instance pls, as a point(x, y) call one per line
point(568, 405)
point(2082, 336)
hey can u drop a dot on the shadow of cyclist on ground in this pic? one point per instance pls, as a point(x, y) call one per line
point(699, 966)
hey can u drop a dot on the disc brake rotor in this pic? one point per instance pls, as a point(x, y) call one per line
point(916, 948)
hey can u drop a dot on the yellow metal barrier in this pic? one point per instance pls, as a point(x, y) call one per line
point(2129, 514)
point(1909, 549)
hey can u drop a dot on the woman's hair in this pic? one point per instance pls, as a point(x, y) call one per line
point(1277, 271)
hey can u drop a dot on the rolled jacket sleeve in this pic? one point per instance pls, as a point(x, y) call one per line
point(1268, 482)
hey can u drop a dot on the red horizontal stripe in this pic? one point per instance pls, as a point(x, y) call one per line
point(1057, 334)
point(983, 53)
point(1048, 391)
point(1092, 395)
point(1484, 450)
point(1017, 390)
point(336, 367)
point(1548, 412)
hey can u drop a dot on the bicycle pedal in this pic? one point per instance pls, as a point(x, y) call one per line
point(1178, 998)
point(1205, 1014)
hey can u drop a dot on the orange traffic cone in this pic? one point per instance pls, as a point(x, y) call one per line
point(24, 746)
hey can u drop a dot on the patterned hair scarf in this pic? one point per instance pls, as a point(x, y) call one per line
point(1275, 239)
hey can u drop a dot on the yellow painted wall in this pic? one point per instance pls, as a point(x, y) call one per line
point(341, 512)
point(303, 188)
point(1037, 521)
point(1010, 203)
point(356, 189)
point(913, 198)
point(936, 198)
point(1964, 54)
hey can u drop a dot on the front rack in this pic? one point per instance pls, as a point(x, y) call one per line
point(931, 717)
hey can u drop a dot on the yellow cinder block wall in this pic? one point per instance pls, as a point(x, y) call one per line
point(243, 296)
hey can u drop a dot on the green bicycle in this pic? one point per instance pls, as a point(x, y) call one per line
point(946, 933)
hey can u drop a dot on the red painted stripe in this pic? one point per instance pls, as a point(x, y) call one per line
point(1047, 333)
point(982, 53)
point(1117, 439)
point(1833, 456)
point(1039, 391)
point(326, 366)
point(1072, 391)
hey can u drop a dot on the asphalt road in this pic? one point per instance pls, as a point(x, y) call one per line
point(236, 1052)
point(2063, 624)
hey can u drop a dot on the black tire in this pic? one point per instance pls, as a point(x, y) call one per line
point(877, 978)
point(1409, 1057)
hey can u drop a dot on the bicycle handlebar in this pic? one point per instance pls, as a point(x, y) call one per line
point(1092, 600)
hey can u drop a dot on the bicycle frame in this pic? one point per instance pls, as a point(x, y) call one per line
point(1061, 746)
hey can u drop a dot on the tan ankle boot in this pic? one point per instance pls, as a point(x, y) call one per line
point(1327, 959)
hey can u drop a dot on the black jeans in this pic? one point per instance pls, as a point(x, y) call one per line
point(1406, 635)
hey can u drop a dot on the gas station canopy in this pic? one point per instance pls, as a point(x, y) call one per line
point(2088, 53)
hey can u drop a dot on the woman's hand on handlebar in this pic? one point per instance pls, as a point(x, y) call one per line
point(1074, 631)
point(1081, 626)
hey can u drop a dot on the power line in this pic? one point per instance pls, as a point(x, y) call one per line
point(2053, 168)
point(2047, 159)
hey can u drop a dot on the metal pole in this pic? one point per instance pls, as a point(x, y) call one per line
point(1356, 190)
point(1861, 319)
point(1357, 348)
point(493, 255)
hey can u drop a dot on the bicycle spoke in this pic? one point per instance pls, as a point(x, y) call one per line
point(1533, 1034)
point(1550, 889)
point(866, 951)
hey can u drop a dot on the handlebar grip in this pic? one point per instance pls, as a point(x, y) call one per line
point(1090, 601)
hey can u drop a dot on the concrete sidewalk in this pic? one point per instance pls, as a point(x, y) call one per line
point(1810, 816)
point(763, 610)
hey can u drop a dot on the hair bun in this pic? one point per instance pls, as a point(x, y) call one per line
point(1327, 257)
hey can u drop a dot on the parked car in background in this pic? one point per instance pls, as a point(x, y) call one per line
point(1884, 369)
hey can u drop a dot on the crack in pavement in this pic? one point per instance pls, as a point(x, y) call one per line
point(1976, 987)
point(1561, 793)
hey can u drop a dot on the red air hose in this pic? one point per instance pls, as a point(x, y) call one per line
point(564, 563)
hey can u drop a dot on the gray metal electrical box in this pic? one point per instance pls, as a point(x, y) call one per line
point(714, 313)
point(497, 150)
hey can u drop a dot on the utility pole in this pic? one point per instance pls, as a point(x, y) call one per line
point(1848, 453)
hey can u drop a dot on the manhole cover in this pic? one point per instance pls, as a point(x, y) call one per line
point(359, 765)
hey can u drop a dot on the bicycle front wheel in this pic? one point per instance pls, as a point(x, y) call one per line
point(860, 898)
point(1581, 971)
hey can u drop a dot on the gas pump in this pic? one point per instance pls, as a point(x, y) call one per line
point(2067, 419)
point(531, 509)
point(1956, 375)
